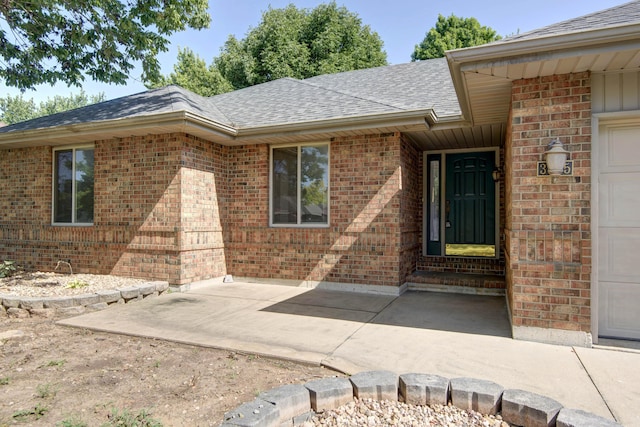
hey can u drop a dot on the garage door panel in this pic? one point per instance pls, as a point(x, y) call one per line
point(620, 154)
point(620, 200)
point(618, 231)
point(618, 310)
point(619, 255)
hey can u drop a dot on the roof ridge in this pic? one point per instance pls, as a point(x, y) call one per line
point(202, 102)
point(572, 20)
point(305, 81)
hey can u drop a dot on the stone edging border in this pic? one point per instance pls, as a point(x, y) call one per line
point(292, 405)
point(70, 305)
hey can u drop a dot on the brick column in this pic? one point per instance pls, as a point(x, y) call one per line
point(548, 223)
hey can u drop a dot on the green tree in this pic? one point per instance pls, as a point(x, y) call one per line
point(300, 43)
point(191, 72)
point(452, 33)
point(14, 109)
point(46, 41)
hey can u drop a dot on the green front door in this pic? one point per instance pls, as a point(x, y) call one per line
point(470, 205)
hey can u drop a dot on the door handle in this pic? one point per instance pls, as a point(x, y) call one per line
point(447, 209)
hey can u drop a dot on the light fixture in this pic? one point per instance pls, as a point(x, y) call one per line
point(556, 157)
point(496, 174)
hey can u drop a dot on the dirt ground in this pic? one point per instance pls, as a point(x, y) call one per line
point(51, 375)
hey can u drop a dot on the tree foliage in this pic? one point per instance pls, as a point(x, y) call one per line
point(47, 41)
point(191, 72)
point(14, 109)
point(452, 33)
point(289, 42)
point(300, 43)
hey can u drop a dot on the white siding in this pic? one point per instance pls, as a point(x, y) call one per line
point(612, 92)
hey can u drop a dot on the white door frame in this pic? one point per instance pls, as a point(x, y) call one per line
point(599, 120)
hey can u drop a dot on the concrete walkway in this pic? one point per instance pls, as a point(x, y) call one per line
point(444, 334)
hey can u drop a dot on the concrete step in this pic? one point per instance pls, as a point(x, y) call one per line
point(464, 283)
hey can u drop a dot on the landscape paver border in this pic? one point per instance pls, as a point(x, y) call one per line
point(289, 405)
point(70, 305)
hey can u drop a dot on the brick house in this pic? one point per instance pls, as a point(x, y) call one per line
point(426, 176)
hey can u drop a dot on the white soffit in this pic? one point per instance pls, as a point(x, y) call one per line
point(485, 72)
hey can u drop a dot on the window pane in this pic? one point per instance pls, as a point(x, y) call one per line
point(84, 185)
point(434, 200)
point(314, 183)
point(62, 202)
point(284, 193)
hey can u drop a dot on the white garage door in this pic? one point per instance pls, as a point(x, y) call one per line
point(619, 231)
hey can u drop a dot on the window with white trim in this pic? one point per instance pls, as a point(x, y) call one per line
point(299, 185)
point(73, 177)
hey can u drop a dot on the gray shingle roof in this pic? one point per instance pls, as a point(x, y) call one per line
point(415, 85)
point(390, 89)
point(165, 100)
point(618, 15)
point(291, 101)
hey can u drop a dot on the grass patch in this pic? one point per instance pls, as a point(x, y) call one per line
point(8, 268)
point(30, 414)
point(4, 381)
point(45, 391)
point(56, 363)
point(72, 422)
point(125, 418)
point(76, 284)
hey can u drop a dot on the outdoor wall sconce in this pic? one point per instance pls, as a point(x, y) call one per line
point(496, 174)
point(556, 162)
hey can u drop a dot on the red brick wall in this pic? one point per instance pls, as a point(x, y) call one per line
point(143, 188)
point(410, 207)
point(361, 245)
point(177, 208)
point(203, 186)
point(137, 194)
point(508, 207)
point(25, 179)
point(548, 226)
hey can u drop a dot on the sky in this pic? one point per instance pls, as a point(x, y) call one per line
point(401, 24)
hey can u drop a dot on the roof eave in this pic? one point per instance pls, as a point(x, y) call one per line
point(470, 59)
point(422, 118)
point(178, 121)
point(187, 122)
point(555, 42)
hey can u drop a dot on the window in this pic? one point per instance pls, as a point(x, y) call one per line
point(73, 186)
point(300, 185)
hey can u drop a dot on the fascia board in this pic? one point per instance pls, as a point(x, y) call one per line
point(179, 121)
point(625, 34)
point(422, 117)
point(182, 121)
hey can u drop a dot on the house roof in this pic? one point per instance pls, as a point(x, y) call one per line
point(614, 16)
point(165, 100)
point(374, 91)
point(405, 95)
point(458, 101)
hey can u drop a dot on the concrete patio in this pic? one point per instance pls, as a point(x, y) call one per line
point(446, 334)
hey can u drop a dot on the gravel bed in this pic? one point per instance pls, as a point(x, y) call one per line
point(370, 412)
point(42, 284)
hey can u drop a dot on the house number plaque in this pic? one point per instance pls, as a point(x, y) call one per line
point(543, 170)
